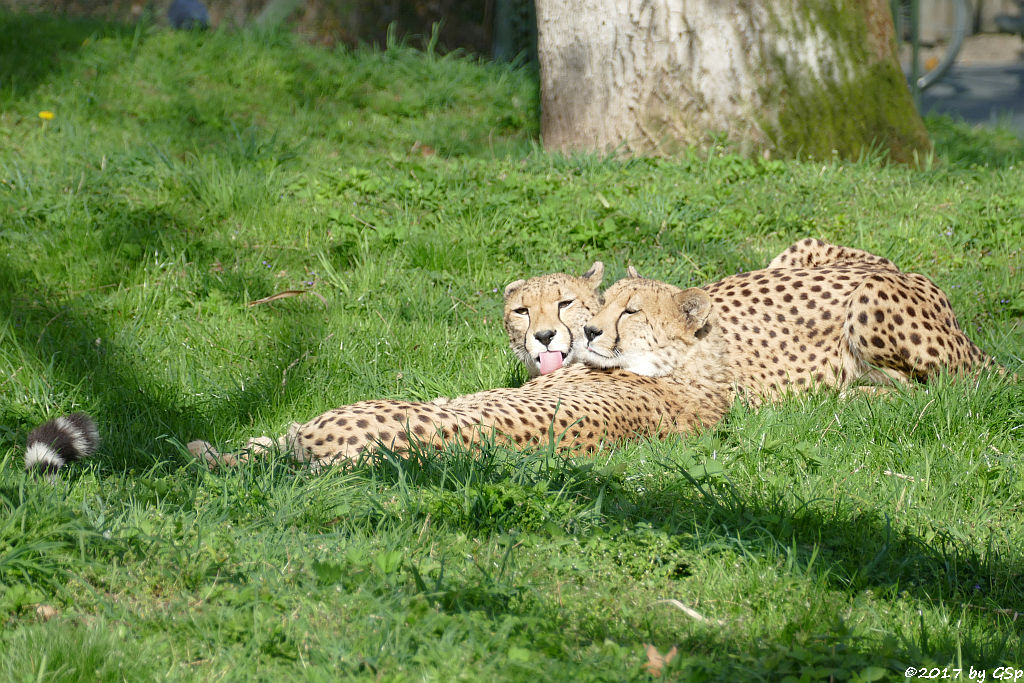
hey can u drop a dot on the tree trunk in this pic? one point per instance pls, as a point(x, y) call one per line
point(789, 78)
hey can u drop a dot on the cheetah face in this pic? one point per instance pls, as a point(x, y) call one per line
point(544, 317)
point(646, 327)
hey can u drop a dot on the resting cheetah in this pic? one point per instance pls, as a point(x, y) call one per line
point(788, 329)
point(579, 407)
point(544, 317)
point(661, 360)
point(574, 408)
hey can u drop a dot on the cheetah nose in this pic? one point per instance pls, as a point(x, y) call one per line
point(592, 333)
point(545, 336)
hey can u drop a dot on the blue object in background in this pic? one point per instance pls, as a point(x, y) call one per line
point(187, 14)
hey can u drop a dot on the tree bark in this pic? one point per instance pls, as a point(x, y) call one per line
point(791, 78)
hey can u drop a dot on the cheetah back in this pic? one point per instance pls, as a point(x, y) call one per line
point(814, 253)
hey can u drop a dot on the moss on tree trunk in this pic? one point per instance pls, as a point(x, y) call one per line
point(775, 77)
point(844, 116)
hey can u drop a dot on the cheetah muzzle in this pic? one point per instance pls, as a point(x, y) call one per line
point(544, 317)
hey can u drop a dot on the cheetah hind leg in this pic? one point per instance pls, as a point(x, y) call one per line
point(900, 326)
point(869, 354)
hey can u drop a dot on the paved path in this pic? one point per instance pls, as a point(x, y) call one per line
point(986, 85)
point(980, 94)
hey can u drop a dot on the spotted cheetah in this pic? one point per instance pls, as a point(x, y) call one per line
point(577, 407)
point(789, 329)
point(574, 409)
point(543, 317)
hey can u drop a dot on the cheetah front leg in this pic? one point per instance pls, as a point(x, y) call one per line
point(256, 446)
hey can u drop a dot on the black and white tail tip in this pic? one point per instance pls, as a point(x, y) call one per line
point(54, 444)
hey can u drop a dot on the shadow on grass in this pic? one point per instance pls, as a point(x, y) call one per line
point(34, 46)
point(836, 543)
point(133, 401)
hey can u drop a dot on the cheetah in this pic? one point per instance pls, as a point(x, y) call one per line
point(572, 409)
point(790, 329)
point(544, 317)
point(578, 408)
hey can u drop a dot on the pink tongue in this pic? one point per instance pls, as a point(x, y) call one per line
point(550, 361)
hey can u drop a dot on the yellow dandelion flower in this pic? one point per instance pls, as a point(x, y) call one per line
point(46, 115)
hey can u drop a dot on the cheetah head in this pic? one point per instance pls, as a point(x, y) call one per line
point(544, 317)
point(647, 327)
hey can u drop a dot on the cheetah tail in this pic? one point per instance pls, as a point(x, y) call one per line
point(59, 441)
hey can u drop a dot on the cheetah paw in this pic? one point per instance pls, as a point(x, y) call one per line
point(214, 458)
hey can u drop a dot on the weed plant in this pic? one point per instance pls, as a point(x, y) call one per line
point(390, 195)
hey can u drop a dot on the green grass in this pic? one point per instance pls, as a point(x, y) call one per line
point(184, 176)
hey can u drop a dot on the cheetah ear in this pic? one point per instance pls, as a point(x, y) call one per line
point(512, 287)
point(594, 275)
point(631, 272)
point(695, 305)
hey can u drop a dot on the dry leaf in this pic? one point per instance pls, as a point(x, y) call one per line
point(46, 612)
point(657, 661)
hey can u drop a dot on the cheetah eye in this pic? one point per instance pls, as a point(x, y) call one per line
point(631, 311)
point(566, 303)
point(522, 311)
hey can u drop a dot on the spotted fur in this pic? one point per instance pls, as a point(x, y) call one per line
point(853, 317)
